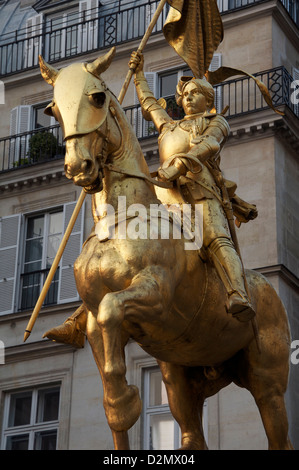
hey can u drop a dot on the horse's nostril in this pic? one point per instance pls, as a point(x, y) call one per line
point(87, 166)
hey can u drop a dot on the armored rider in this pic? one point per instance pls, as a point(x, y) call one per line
point(189, 151)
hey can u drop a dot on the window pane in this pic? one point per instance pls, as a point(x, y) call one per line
point(158, 395)
point(30, 289)
point(20, 409)
point(168, 84)
point(161, 432)
point(35, 227)
point(55, 223)
point(41, 119)
point(45, 440)
point(48, 405)
point(53, 245)
point(17, 442)
point(34, 250)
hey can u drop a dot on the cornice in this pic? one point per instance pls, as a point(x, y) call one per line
point(36, 350)
point(283, 272)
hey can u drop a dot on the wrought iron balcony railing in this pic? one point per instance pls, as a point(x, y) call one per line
point(31, 285)
point(241, 95)
point(90, 31)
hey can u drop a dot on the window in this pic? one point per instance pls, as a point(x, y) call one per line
point(42, 240)
point(28, 245)
point(160, 430)
point(62, 37)
point(40, 119)
point(73, 31)
point(31, 419)
point(167, 88)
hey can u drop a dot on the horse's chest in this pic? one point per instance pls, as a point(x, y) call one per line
point(101, 269)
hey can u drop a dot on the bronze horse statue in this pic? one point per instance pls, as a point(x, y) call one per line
point(154, 291)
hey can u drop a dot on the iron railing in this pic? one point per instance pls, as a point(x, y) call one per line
point(31, 286)
point(93, 30)
point(84, 33)
point(241, 95)
point(30, 148)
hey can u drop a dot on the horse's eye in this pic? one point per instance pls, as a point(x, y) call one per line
point(98, 99)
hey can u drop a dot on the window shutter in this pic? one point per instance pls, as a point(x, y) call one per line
point(67, 291)
point(33, 46)
point(222, 5)
point(215, 64)
point(295, 90)
point(20, 122)
point(9, 252)
point(142, 127)
point(88, 29)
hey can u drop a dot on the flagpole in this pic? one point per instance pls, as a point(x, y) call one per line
point(80, 201)
point(141, 47)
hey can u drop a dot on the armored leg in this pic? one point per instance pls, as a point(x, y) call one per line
point(229, 268)
point(72, 331)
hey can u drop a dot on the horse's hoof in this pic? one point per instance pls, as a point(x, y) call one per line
point(123, 412)
point(194, 443)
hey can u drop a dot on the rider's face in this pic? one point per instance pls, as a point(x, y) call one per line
point(193, 100)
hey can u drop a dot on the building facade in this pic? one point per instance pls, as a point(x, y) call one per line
point(51, 394)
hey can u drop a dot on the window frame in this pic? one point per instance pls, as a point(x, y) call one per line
point(34, 427)
point(154, 410)
point(46, 213)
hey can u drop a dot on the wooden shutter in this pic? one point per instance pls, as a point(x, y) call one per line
point(20, 122)
point(295, 91)
point(67, 291)
point(9, 253)
point(33, 46)
point(142, 127)
point(88, 29)
point(215, 64)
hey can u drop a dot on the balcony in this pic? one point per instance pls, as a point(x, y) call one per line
point(241, 95)
point(91, 31)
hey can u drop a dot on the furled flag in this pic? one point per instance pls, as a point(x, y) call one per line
point(194, 29)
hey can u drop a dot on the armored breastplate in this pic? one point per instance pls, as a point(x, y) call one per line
point(177, 136)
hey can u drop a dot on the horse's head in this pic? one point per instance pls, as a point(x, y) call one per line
point(80, 104)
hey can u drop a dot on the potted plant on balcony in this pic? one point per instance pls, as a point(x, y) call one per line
point(43, 146)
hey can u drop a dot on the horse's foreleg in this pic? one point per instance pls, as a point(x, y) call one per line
point(122, 403)
point(94, 334)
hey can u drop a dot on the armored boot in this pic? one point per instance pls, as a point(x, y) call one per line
point(72, 331)
point(229, 268)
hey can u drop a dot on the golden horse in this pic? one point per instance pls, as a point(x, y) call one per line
point(152, 289)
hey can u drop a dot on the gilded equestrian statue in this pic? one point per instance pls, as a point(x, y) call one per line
point(173, 302)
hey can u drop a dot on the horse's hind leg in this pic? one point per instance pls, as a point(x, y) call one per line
point(185, 403)
point(265, 374)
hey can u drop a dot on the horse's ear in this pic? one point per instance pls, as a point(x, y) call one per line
point(48, 72)
point(101, 63)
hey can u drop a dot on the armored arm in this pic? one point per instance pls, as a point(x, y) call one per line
point(152, 109)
